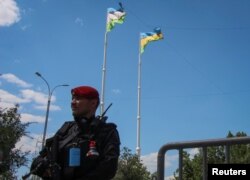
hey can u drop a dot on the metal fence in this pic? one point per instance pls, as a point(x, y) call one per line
point(204, 144)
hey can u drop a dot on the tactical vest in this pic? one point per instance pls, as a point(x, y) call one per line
point(75, 155)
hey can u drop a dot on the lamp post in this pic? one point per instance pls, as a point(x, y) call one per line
point(50, 92)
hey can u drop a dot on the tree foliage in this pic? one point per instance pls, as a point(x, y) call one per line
point(11, 130)
point(192, 166)
point(130, 167)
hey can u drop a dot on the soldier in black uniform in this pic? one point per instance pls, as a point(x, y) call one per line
point(87, 148)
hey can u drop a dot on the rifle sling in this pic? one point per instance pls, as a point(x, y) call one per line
point(68, 139)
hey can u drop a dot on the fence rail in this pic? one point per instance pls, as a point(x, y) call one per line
point(227, 142)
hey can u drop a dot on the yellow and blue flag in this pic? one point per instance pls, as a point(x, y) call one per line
point(148, 37)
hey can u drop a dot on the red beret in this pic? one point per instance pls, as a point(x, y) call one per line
point(85, 91)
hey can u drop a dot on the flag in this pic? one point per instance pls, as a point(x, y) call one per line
point(150, 36)
point(114, 17)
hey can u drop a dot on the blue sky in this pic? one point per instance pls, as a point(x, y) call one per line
point(195, 82)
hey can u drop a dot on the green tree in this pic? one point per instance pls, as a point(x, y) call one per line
point(192, 167)
point(154, 175)
point(239, 153)
point(11, 130)
point(130, 167)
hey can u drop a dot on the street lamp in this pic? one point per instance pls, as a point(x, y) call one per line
point(50, 92)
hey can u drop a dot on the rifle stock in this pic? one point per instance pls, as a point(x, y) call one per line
point(50, 158)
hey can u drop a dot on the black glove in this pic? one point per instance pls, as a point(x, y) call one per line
point(39, 166)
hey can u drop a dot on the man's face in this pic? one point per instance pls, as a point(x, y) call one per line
point(83, 107)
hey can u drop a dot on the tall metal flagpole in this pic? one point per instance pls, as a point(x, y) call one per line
point(138, 148)
point(104, 72)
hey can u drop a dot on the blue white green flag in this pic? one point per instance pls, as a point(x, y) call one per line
point(114, 17)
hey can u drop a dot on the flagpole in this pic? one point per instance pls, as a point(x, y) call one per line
point(138, 148)
point(104, 72)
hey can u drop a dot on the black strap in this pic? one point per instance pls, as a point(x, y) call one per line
point(64, 130)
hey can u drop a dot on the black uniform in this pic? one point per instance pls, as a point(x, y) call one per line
point(86, 150)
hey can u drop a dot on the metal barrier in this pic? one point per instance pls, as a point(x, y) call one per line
point(227, 142)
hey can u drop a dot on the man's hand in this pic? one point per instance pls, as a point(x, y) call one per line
point(40, 166)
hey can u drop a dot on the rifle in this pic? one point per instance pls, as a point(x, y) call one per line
point(49, 160)
point(55, 168)
point(26, 176)
point(43, 153)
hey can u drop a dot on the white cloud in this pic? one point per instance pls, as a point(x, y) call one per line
point(116, 91)
point(38, 97)
point(79, 21)
point(30, 144)
point(17, 61)
point(9, 99)
point(51, 108)
point(27, 96)
point(25, 27)
point(9, 12)
point(33, 143)
point(150, 161)
point(31, 118)
point(169, 178)
point(193, 152)
point(13, 79)
point(54, 108)
point(6, 104)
